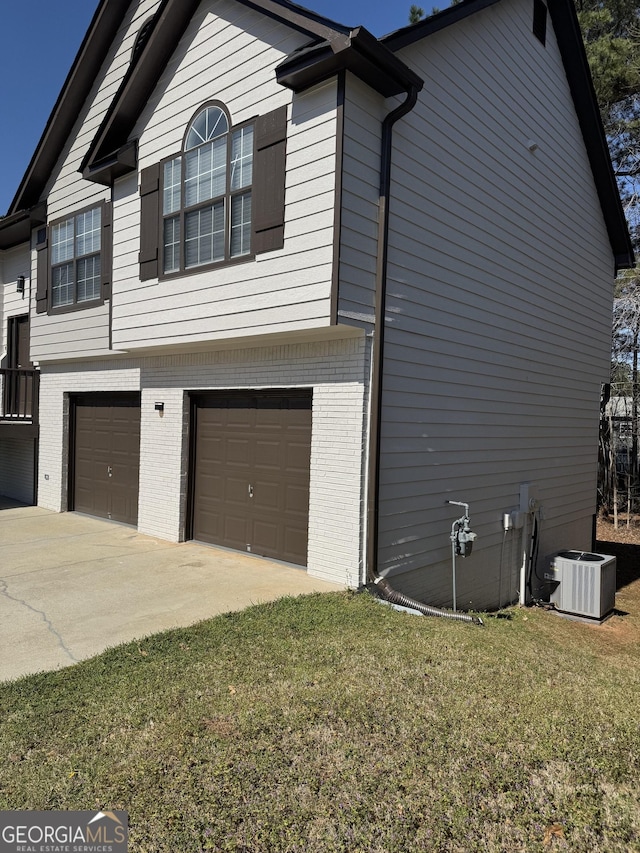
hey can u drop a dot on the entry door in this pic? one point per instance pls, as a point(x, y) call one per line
point(106, 456)
point(250, 477)
point(18, 388)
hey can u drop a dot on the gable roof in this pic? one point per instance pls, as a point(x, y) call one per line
point(576, 66)
point(332, 47)
point(103, 160)
point(168, 24)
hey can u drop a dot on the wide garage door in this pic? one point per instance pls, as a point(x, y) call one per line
point(106, 456)
point(250, 474)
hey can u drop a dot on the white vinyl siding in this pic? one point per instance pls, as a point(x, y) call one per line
point(364, 111)
point(498, 310)
point(84, 332)
point(225, 46)
point(13, 262)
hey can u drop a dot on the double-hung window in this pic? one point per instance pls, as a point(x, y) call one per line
point(206, 194)
point(74, 260)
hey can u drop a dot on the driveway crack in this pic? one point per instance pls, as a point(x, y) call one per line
point(4, 591)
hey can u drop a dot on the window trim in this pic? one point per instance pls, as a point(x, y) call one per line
point(229, 194)
point(105, 262)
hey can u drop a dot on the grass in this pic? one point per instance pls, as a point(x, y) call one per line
point(332, 723)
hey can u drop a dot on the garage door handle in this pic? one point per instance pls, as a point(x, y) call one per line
point(250, 490)
point(109, 470)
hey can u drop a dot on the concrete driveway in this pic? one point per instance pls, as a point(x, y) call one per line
point(72, 586)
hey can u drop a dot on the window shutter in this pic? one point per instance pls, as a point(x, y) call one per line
point(42, 271)
point(268, 181)
point(106, 250)
point(149, 221)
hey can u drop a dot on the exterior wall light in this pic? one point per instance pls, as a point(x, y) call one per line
point(159, 407)
point(20, 284)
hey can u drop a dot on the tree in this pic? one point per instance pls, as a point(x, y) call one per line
point(611, 33)
point(626, 358)
point(415, 14)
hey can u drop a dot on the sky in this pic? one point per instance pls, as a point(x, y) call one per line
point(40, 39)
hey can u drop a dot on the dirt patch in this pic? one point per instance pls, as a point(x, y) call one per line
point(627, 532)
point(623, 542)
point(618, 638)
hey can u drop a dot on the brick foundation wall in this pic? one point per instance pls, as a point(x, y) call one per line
point(336, 370)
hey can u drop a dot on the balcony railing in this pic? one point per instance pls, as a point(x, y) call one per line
point(19, 396)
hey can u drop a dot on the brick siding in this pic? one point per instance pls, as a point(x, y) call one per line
point(336, 371)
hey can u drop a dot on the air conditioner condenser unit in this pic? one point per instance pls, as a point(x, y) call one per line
point(586, 583)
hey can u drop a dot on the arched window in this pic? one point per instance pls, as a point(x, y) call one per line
point(220, 200)
point(206, 193)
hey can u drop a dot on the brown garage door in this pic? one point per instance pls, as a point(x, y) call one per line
point(250, 477)
point(106, 456)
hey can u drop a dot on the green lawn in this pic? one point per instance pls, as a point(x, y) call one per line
point(332, 723)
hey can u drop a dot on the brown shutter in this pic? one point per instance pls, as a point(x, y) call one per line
point(106, 250)
point(149, 221)
point(42, 284)
point(268, 181)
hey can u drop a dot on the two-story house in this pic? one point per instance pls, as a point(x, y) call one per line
point(291, 288)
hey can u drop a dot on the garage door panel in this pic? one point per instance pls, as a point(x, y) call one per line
point(237, 452)
point(86, 498)
point(254, 472)
point(267, 497)
point(125, 444)
point(265, 539)
point(297, 458)
point(121, 507)
point(211, 521)
point(269, 420)
point(295, 541)
point(214, 488)
point(268, 454)
point(100, 506)
point(296, 500)
point(234, 490)
point(211, 450)
point(235, 531)
point(106, 456)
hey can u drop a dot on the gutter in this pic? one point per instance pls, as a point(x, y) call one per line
point(15, 228)
point(381, 585)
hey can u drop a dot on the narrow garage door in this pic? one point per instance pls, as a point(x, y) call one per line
point(106, 456)
point(250, 477)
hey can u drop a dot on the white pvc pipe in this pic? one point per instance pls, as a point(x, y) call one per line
point(523, 567)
